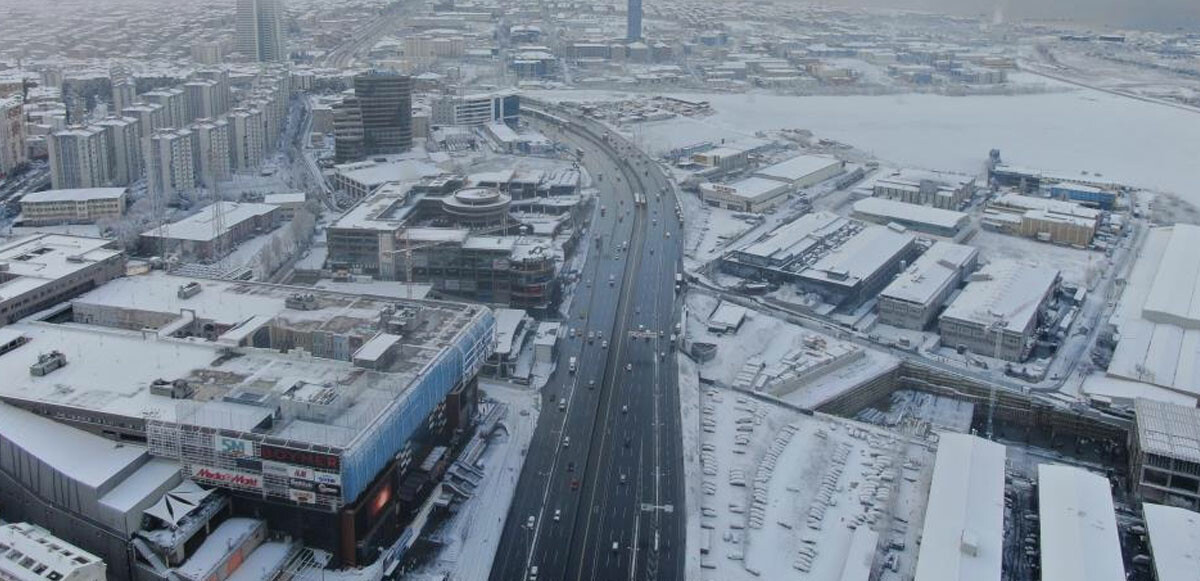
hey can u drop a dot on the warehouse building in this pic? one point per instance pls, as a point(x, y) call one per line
point(963, 535)
point(753, 194)
point(1078, 524)
point(926, 188)
point(802, 171)
point(914, 298)
point(197, 238)
point(40, 271)
point(1165, 453)
point(723, 158)
point(76, 206)
point(999, 311)
point(359, 179)
point(936, 221)
point(293, 402)
point(1173, 534)
point(843, 261)
point(1092, 196)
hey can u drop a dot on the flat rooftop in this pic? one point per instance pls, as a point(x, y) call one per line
point(796, 237)
point(896, 210)
point(938, 267)
point(753, 188)
point(199, 226)
point(1174, 539)
point(384, 211)
point(1004, 290)
point(859, 257)
point(1078, 526)
point(796, 168)
point(1048, 205)
point(963, 537)
point(74, 195)
point(1168, 429)
point(371, 174)
point(29, 263)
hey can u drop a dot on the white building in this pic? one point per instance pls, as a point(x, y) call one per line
point(125, 156)
point(12, 134)
point(476, 110)
point(151, 117)
point(753, 194)
point(43, 270)
point(170, 164)
point(81, 206)
point(30, 553)
point(78, 158)
point(1174, 534)
point(1078, 526)
point(963, 535)
point(203, 99)
point(802, 171)
point(913, 299)
point(174, 104)
point(247, 138)
point(210, 150)
point(259, 30)
point(1005, 297)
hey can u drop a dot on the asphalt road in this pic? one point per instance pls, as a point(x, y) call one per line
point(605, 464)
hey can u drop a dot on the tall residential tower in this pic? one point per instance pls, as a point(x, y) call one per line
point(260, 30)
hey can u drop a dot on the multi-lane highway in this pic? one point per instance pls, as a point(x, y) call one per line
point(599, 493)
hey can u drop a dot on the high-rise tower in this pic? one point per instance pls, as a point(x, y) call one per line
point(634, 21)
point(385, 103)
point(260, 30)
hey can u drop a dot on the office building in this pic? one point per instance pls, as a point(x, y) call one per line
point(12, 134)
point(633, 21)
point(83, 206)
point(30, 553)
point(385, 103)
point(999, 311)
point(210, 151)
point(476, 110)
point(1164, 453)
point(43, 270)
point(348, 131)
point(174, 105)
point(170, 164)
point(125, 155)
point(914, 298)
point(259, 30)
point(79, 158)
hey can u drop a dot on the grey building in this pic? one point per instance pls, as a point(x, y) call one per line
point(385, 105)
point(998, 313)
point(914, 298)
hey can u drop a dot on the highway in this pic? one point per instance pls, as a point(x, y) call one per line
point(598, 494)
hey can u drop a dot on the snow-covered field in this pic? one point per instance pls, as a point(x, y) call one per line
point(1077, 266)
point(1140, 143)
point(782, 493)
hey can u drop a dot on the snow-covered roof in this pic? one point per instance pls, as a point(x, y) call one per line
point(1078, 526)
point(1004, 290)
point(963, 538)
point(861, 256)
point(292, 198)
point(199, 226)
point(1175, 294)
point(86, 458)
point(1174, 541)
point(508, 323)
point(227, 537)
point(74, 195)
point(793, 238)
point(893, 210)
point(33, 554)
point(936, 269)
point(751, 188)
point(1168, 429)
point(372, 174)
point(47, 257)
point(796, 168)
point(383, 211)
point(1048, 205)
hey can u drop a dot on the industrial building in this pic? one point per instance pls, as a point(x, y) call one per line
point(40, 271)
point(916, 296)
point(1173, 534)
point(963, 534)
point(313, 410)
point(752, 194)
point(30, 553)
point(802, 171)
point(1078, 526)
point(999, 311)
point(1164, 453)
point(198, 237)
point(930, 220)
point(1105, 199)
point(939, 190)
point(724, 158)
point(843, 261)
point(361, 178)
point(77, 206)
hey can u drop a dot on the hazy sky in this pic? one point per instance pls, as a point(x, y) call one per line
point(1155, 14)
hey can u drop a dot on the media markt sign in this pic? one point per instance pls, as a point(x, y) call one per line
point(231, 478)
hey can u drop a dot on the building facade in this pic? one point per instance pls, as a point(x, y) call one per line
point(210, 151)
point(385, 104)
point(12, 134)
point(170, 164)
point(83, 206)
point(79, 158)
point(125, 155)
point(259, 30)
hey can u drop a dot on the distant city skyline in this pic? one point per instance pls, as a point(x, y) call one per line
point(1163, 15)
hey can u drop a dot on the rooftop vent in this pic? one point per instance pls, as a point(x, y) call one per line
point(48, 362)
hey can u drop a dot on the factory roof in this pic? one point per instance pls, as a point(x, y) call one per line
point(372, 174)
point(795, 237)
point(1174, 537)
point(74, 195)
point(963, 538)
point(384, 211)
point(40, 259)
point(84, 457)
point(723, 151)
point(939, 267)
point(1175, 294)
point(1168, 429)
point(895, 210)
point(292, 198)
point(796, 168)
point(1004, 290)
point(862, 255)
point(199, 226)
point(1078, 526)
point(1053, 206)
point(751, 188)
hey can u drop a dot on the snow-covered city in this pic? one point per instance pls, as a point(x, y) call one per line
point(507, 290)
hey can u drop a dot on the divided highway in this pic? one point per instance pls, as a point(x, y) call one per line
point(600, 496)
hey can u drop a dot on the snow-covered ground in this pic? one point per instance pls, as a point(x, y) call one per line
point(781, 493)
point(473, 534)
point(1142, 144)
point(1078, 266)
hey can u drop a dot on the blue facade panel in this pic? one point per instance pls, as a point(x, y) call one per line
point(405, 415)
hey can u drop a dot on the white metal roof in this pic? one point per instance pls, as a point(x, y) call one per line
point(74, 195)
point(199, 226)
point(893, 209)
point(963, 538)
point(862, 255)
point(1174, 542)
point(1004, 290)
point(1175, 295)
point(1078, 526)
point(87, 458)
point(1168, 429)
point(797, 168)
point(930, 274)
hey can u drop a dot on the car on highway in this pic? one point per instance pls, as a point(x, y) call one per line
point(612, 280)
point(628, 367)
point(562, 404)
point(622, 479)
point(557, 514)
point(592, 382)
point(529, 522)
point(567, 441)
point(616, 546)
point(604, 344)
point(572, 365)
point(624, 409)
point(533, 573)
point(570, 466)
point(591, 336)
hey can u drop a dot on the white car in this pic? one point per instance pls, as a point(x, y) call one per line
point(628, 367)
point(557, 515)
point(529, 522)
point(604, 344)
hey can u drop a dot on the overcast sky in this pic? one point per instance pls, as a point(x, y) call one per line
point(1155, 14)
